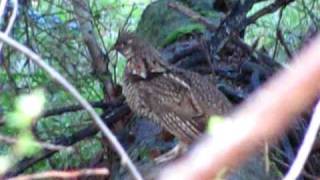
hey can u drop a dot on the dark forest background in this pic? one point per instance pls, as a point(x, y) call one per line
point(239, 44)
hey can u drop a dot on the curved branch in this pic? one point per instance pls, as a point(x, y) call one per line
point(267, 10)
point(72, 90)
point(12, 18)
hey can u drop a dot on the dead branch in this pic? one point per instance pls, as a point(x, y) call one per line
point(175, 52)
point(64, 174)
point(126, 161)
point(267, 10)
point(73, 108)
point(304, 173)
point(231, 36)
point(54, 147)
point(2, 7)
point(283, 43)
point(12, 17)
point(262, 117)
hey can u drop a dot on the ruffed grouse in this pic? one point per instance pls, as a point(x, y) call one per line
point(179, 100)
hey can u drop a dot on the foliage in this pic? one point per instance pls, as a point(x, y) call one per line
point(20, 121)
point(296, 20)
point(182, 32)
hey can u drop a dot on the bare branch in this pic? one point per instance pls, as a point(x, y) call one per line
point(54, 147)
point(206, 22)
point(267, 10)
point(283, 43)
point(64, 174)
point(70, 88)
point(12, 19)
point(73, 108)
point(3, 4)
point(83, 16)
point(126, 22)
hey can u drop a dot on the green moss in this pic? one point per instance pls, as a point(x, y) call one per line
point(182, 31)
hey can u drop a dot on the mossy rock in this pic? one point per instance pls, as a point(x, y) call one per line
point(161, 25)
point(182, 31)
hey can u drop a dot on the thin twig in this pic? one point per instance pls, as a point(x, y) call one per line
point(11, 21)
point(2, 7)
point(283, 43)
point(54, 147)
point(304, 173)
point(125, 160)
point(126, 22)
point(306, 146)
point(267, 10)
point(278, 27)
point(64, 174)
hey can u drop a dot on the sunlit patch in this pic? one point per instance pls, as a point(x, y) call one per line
point(213, 122)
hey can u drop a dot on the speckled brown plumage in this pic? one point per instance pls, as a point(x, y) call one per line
point(181, 101)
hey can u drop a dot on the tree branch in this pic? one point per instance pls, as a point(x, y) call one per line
point(54, 147)
point(12, 17)
point(267, 10)
point(73, 108)
point(283, 43)
point(84, 18)
point(62, 81)
point(64, 174)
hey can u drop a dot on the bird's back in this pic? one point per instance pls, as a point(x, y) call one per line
point(179, 100)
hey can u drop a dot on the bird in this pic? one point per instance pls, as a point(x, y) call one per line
point(179, 100)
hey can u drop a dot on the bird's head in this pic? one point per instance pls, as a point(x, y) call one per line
point(127, 43)
point(142, 58)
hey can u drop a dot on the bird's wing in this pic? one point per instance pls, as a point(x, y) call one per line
point(175, 105)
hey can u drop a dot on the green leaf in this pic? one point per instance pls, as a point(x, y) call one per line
point(26, 145)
